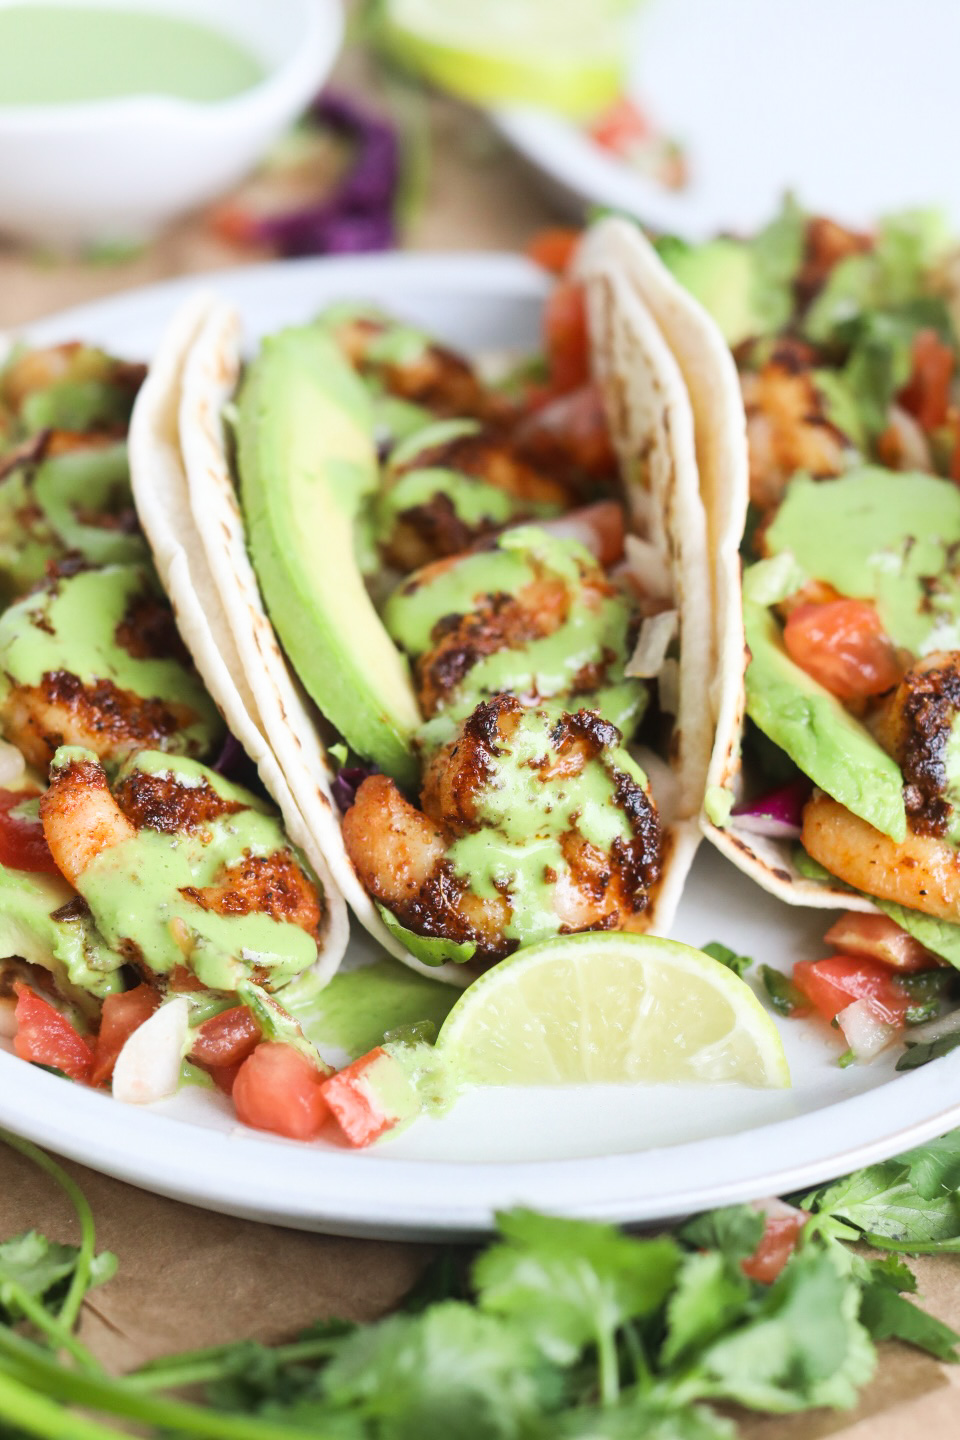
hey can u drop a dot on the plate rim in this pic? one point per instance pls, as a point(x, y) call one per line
point(361, 1193)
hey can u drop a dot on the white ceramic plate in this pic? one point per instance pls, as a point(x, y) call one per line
point(850, 103)
point(623, 1153)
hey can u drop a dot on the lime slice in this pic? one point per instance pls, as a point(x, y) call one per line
point(615, 1009)
point(559, 54)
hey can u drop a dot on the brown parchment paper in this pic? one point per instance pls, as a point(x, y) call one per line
point(190, 1278)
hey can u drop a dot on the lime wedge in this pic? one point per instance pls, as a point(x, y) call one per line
point(563, 55)
point(611, 1008)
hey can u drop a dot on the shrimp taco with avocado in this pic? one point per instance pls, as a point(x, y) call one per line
point(847, 350)
point(473, 617)
point(158, 893)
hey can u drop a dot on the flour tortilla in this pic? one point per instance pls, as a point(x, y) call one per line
point(290, 722)
point(160, 494)
point(711, 380)
point(653, 428)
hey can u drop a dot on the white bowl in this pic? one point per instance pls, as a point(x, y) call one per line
point(120, 169)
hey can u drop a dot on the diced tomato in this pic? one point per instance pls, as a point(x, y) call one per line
point(843, 645)
point(620, 127)
point(46, 1037)
point(832, 984)
point(782, 1230)
point(567, 337)
point(226, 1039)
point(121, 1015)
point(225, 1076)
point(355, 1102)
point(181, 978)
point(278, 1089)
point(22, 845)
point(927, 393)
point(879, 938)
point(553, 249)
point(570, 430)
point(233, 224)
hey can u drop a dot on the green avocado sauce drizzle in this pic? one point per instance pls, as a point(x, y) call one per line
point(136, 889)
point(357, 1008)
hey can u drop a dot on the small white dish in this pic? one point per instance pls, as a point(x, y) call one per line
point(119, 169)
point(625, 1153)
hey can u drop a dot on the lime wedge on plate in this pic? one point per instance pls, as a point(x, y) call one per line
point(564, 55)
point(611, 1008)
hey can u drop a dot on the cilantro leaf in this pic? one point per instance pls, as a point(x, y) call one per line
point(783, 995)
point(451, 1371)
point(710, 1296)
point(637, 1417)
point(736, 1230)
point(885, 1205)
point(737, 963)
point(804, 1345)
point(41, 1268)
point(888, 1316)
point(935, 1167)
point(921, 1052)
point(571, 1282)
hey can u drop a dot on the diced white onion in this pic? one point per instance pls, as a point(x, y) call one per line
point(12, 765)
point(668, 687)
point(148, 1066)
point(657, 633)
point(864, 1031)
point(775, 1209)
point(647, 568)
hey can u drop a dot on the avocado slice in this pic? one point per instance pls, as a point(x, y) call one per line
point(828, 744)
point(307, 464)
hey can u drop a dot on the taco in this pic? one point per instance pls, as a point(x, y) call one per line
point(473, 617)
point(138, 877)
point(847, 350)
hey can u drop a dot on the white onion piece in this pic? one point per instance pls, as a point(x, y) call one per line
point(668, 687)
point(775, 1209)
point(8, 1018)
point(647, 568)
point(863, 1031)
point(12, 765)
point(657, 633)
point(915, 449)
point(766, 825)
point(148, 1066)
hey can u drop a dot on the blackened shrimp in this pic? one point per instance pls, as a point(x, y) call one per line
point(534, 821)
point(787, 425)
point(204, 863)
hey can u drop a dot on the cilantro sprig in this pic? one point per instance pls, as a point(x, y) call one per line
point(560, 1330)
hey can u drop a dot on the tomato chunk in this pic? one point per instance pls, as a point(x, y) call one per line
point(121, 1015)
point(553, 249)
point(927, 393)
point(567, 337)
point(22, 846)
point(832, 984)
point(277, 1089)
point(843, 645)
point(226, 1039)
point(370, 1097)
point(879, 938)
point(781, 1232)
point(621, 127)
point(46, 1037)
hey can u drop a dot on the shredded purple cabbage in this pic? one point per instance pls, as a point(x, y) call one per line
point(778, 813)
point(232, 757)
point(358, 215)
point(347, 783)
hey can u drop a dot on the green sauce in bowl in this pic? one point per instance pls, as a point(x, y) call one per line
point(68, 54)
